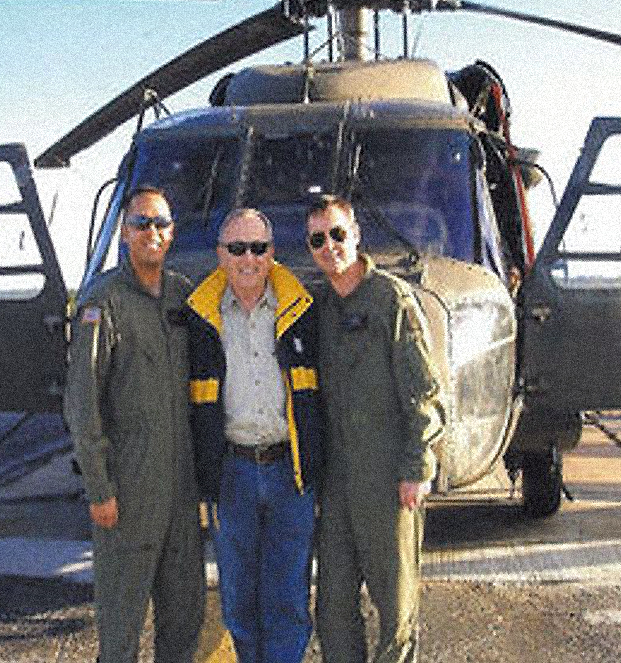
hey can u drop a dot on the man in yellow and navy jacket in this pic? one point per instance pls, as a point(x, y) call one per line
point(258, 429)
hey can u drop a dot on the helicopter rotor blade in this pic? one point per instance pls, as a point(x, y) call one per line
point(417, 6)
point(602, 35)
point(246, 38)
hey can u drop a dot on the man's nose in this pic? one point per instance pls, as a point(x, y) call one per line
point(153, 229)
point(246, 259)
point(330, 243)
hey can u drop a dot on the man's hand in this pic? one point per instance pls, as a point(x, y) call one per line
point(105, 514)
point(412, 493)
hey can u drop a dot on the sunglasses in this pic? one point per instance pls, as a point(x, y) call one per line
point(238, 249)
point(142, 222)
point(318, 239)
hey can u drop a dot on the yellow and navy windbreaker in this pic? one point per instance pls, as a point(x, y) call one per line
point(296, 350)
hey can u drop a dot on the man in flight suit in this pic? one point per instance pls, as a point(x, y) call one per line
point(126, 404)
point(258, 428)
point(383, 413)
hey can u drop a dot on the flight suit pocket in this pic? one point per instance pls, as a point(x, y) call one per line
point(123, 436)
point(152, 353)
point(134, 466)
point(107, 537)
point(356, 344)
point(358, 348)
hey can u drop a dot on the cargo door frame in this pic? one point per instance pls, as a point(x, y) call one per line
point(571, 312)
point(32, 315)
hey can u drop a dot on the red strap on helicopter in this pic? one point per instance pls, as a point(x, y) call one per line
point(517, 177)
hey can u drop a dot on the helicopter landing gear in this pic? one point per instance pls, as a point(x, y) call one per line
point(542, 483)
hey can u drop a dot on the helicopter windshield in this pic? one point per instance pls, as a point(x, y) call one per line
point(198, 175)
point(286, 170)
point(420, 181)
point(417, 181)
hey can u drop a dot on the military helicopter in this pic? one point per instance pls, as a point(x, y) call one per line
point(439, 191)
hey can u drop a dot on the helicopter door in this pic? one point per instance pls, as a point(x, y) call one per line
point(572, 297)
point(33, 296)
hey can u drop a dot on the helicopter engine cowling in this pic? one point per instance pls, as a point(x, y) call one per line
point(417, 79)
point(473, 342)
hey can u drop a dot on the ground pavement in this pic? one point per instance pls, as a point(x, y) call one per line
point(497, 586)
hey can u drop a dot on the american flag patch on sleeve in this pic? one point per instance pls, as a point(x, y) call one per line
point(91, 315)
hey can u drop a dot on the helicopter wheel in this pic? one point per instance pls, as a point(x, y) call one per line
point(542, 483)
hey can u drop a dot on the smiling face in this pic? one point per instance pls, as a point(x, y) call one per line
point(147, 246)
point(246, 273)
point(333, 257)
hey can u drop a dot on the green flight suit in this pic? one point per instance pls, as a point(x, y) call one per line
point(126, 404)
point(383, 409)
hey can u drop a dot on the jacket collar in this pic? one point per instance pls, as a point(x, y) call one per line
point(291, 296)
point(129, 276)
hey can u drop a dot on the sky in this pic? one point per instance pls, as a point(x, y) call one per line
point(60, 60)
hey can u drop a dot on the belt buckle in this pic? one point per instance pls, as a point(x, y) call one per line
point(259, 453)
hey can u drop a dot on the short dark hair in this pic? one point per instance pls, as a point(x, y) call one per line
point(139, 191)
point(326, 201)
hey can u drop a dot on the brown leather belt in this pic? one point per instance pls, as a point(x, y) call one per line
point(260, 454)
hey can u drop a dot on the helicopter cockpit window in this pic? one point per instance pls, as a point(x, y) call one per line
point(284, 172)
point(495, 254)
point(198, 176)
point(285, 169)
point(21, 276)
point(420, 180)
point(417, 180)
point(589, 254)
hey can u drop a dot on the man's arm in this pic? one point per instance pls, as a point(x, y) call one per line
point(418, 392)
point(89, 360)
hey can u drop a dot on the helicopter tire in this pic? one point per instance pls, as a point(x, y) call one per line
point(542, 483)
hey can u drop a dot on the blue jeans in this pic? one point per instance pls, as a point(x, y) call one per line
point(264, 548)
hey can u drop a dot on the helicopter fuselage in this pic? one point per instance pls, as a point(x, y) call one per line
point(415, 172)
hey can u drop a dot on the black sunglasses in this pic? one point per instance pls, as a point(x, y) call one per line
point(143, 222)
point(238, 249)
point(318, 239)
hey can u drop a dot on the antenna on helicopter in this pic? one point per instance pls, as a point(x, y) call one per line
point(418, 37)
point(376, 33)
point(150, 99)
point(405, 20)
point(330, 28)
point(52, 208)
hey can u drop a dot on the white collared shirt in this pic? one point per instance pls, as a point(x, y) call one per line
point(254, 395)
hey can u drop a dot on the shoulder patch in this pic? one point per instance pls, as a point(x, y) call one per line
point(90, 315)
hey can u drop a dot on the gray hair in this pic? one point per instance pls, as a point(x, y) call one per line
point(242, 213)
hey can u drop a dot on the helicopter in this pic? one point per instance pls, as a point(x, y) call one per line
point(440, 192)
